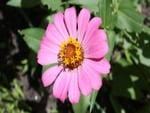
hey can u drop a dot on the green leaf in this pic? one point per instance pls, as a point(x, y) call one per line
point(111, 40)
point(146, 29)
point(128, 18)
point(18, 90)
point(109, 18)
point(14, 3)
point(93, 99)
point(23, 3)
point(124, 3)
point(132, 91)
point(144, 60)
point(32, 37)
point(50, 18)
point(52, 4)
point(130, 21)
point(90, 4)
point(128, 80)
point(82, 106)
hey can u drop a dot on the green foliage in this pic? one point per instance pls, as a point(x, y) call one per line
point(109, 17)
point(23, 3)
point(32, 37)
point(130, 21)
point(90, 4)
point(10, 99)
point(111, 40)
point(83, 104)
point(93, 99)
point(127, 81)
point(52, 4)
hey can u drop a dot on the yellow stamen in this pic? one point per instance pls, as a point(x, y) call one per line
point(71, 53)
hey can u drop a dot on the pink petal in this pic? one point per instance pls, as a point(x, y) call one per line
point(53, 35)
point(93, 76)
point(45, 57)
point(102, 34)
point(48, 44)
point(61, 86)
point(60, 25)
point(96, 46)
point(48, 52)
point(70, 20)
point(50, 75)
point(84, 82)
point(102, 66)
point(96, 49)
point(92, 28)
point(83, 20)
point(66, 88)
point(74, 93)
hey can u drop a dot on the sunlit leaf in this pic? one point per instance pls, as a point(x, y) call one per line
point(90, 4)
point(144, 60)
point(132, 91)
point(146, 29)
point(32, 37)
point(124, 4)
point(128, 18)
point(111, 41)
point(109, 18)
point(15, 3)
point(23, 3)
point(52, 4)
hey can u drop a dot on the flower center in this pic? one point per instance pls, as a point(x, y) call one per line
point(71, 54)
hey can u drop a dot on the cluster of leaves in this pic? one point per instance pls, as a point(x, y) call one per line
point(11, 99)
point(128, 83)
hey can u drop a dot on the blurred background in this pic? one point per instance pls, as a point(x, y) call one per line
point(125, 90)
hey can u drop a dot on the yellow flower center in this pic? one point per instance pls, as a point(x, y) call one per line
point(71, 54)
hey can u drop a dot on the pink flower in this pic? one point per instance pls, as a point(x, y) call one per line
point(78, 47)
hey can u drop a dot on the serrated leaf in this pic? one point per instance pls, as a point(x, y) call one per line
point(32, 37)
point(52, 4)
point(23, 3)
